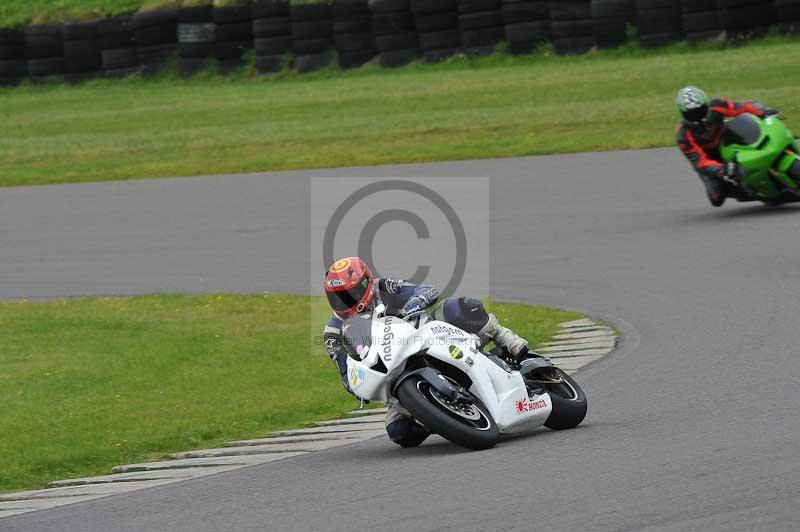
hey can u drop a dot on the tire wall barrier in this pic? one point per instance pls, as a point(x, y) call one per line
point(309, 36)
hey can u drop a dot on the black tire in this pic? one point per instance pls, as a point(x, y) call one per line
point(353, 42)
point(417, 396)
point(312, 29)
point(654, 40)
point(270, 8)
point(389, 6)
point(473, 6)
point(437, 22)
point(569, 403)
point(356, 59)
point(483, 37)
point(442, 54)
point(189, 66)
point(43, 42)
point(309, 12)
point(536, 31)
point(701, 21)
point(525, 12)
point(358, 24)
point(573, 29)
point(397, 41)
point(272, 27)
point(153, 58)
point(9, 52)
point(704, 36)
point(273, 45)
point(233, 14)
point(480, 20)
point(398, 58)
point(196, 14)
point(312, 62)
point(624, 9)
point(13, 68)
point(393, 23)
point(563, 10)
point(610, 32)
point(423, 7)
point(45, 67)
point(659, 21)
point(193, 33)
point(693, 6)
point(573, 45)
point(120, 58)
point(350, 8)
point(8, 37)
point(196, 50)
point(157, 35)
point(155, 18)
point(120, 73)
point(80, 31)
point(439, 40)
point(269, 64)
point(235, 32)
point(231, 52)
point(311, 46)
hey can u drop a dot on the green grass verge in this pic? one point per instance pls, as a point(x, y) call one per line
point(86, 384)
point(466, 108)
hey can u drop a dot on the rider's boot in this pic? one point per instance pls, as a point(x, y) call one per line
point(715, 188)
point(505, 338)
point(402, 428)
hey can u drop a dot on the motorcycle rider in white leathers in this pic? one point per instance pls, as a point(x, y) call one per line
point(351, 289)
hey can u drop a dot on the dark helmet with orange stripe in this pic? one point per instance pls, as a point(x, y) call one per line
point(348, 287)
point(693, 104)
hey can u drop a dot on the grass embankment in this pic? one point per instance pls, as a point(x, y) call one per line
point(86, 384)
point(469, 108)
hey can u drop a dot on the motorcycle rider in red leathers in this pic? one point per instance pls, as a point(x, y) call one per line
point(700, 134)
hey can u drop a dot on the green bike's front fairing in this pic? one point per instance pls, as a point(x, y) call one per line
point(765, 148)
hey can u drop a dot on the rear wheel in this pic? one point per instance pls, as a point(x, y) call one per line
point(569, 401)
point(464, 422)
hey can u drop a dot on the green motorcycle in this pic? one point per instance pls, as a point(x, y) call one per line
point(768, 152)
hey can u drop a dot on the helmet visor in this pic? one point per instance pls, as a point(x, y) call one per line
point(342, 300)
point(698, 115)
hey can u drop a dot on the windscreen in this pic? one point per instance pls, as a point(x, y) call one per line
point(357, 334)
point(742, 130)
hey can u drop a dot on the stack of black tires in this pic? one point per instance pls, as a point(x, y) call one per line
point(233, 27)
point(44, 52)
point(787, 15)
point(481, 24)
point(156, 33)
point(120, 56)
point(312, 36)
point(659, 22)
point(395, 32)
point(196, 39)
point(611, 19)
point(700, 21)
point(272, 34)
point(82, 53)
point(352, 33)
point(527, 24)
point(13, 67)
point(572, 26)
point(745, 18)
point(437, 26)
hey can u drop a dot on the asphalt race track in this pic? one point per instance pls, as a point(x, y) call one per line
point(692, 424)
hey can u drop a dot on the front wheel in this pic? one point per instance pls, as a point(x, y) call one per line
point(569, 401)
point(466, 423)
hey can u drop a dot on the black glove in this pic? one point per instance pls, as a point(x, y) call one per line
point(771, 112)
point(732, 173)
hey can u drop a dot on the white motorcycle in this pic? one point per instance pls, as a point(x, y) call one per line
point(440, 374)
